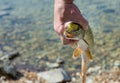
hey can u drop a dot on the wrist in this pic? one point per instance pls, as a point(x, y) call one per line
point(64, 1)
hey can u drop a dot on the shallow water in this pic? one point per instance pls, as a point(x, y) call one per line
point(27, 26)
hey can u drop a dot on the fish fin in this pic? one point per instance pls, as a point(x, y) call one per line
point(77, 52)
point(88, 53)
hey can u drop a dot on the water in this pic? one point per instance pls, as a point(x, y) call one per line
point(27, 25)
point(98, 13)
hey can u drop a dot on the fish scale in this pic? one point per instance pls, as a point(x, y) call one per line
point(82, 44)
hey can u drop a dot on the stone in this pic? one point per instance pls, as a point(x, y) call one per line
point(93, 69)
point(1, 53)
point(53, 65)
point(7, 48)
point(55, 76)
point(59, 61)
point(6, 66)
point(116, 64)
point(4, 13)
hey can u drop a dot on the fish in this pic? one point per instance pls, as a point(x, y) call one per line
point(84, 46)
point(85, 39)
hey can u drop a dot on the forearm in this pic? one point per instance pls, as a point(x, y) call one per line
point(64, 1)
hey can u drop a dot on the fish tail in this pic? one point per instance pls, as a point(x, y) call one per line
point(84, 67)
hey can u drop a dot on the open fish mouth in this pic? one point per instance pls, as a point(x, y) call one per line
point(74, 31)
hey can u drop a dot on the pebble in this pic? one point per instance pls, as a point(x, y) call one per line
point(1, 53)
point(7, 48)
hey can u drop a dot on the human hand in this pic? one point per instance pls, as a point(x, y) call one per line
point(63, 13)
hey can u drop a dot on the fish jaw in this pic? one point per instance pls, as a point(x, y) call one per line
point(68, 35)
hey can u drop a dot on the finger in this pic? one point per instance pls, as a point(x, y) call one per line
point(64, 40)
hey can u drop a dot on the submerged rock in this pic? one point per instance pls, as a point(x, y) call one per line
point(4, 13)
point(116, 64)
point(58, 64)
point(7, 68)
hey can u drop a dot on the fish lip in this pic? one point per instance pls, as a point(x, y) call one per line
point(74, 38)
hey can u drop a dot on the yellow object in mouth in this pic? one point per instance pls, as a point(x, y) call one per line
point(72, 27)
point(69, 35)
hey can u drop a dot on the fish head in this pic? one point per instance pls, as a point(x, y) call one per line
point(73, 31)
